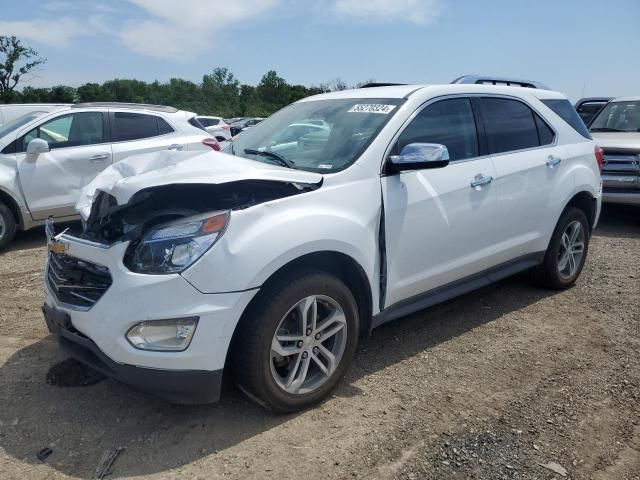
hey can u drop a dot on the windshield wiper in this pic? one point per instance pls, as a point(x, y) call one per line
point(279, 158)
point(607, 129)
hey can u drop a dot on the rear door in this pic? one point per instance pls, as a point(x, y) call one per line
point(79, 150)
point(527, 162)
point(135, 133)
point(438, 227)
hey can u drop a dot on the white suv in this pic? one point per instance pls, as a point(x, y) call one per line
point(47, 157)
point(271, 261)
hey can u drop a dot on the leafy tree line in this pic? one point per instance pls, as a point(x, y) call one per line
point(219, 93)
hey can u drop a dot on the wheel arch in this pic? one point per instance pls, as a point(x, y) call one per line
point(586, 202)
point(336, 263)
point(12, 204)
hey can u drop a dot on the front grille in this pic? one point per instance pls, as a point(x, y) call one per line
point(76, 282)
point(621, 162)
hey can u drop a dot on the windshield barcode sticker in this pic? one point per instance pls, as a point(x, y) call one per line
point(372, 108)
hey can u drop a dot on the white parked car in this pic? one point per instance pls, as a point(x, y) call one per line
point(272, 264)
point(46, 158)
point(217, 127)
point(11, 111)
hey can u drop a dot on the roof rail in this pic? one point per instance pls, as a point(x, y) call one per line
point(491, 80)
point(136, 106)
point(383, 84)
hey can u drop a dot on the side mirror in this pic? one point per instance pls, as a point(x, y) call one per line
point(37, 146)
point(419, 156)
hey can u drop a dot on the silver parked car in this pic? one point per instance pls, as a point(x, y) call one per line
point(617, 130)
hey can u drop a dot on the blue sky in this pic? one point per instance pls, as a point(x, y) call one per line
point(575, 46)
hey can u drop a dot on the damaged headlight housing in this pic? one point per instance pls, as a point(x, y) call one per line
point(173, 247)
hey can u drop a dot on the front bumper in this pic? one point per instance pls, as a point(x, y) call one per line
point(96, 336)
point(627, 198)
point(176, 386)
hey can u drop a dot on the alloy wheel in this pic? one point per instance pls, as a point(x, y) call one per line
point(308, 344)
point(571, 250)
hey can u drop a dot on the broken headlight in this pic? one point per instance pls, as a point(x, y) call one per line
point(172, 247)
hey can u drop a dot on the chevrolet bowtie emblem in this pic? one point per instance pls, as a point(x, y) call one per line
point(56, 246)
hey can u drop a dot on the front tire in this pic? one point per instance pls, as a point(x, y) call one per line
point(567, 251)
point(296, 341)
point(7, 226)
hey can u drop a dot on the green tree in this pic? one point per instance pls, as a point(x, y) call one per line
point(89, 92)
point(62, 94)
point(16, 60)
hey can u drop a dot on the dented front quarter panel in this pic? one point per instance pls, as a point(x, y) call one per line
point(342, 216)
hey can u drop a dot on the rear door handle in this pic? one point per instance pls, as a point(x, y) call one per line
point(553, 162)
point(480, 180)
point(175, 146)
point(99, 158)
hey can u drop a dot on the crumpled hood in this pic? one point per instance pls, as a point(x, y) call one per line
point(124, 179)
point(630, 140)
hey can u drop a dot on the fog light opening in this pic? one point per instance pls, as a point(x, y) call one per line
point(172, 335)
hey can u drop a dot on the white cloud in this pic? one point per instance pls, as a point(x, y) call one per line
point(414, 11)
point(180, 30)
point(57, 33)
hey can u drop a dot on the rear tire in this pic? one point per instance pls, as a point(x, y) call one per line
point(567, 251)
point(296, 341)
point(7, 226)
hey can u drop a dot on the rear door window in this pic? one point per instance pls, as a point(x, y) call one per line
point(447, 122)
point(545, 133)
point(510, 125)
point(135, 126)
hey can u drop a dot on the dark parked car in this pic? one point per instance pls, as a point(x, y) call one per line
point(589, 107)
point(239, 126)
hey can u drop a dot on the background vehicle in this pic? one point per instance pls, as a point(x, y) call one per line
point(274, 262)
point(243, 124)
point(216, 126)
point(12, 111)
point(589, 107)
point(616, 128)
point(45, 159)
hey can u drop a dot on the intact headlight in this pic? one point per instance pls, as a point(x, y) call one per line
point(173, 247)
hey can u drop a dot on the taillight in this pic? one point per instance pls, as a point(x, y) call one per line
point(225, 127)
point(599, 156)
point(211, 143)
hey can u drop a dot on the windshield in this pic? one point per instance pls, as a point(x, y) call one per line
point(16, 123)
point(618, 117)
point(321, 136)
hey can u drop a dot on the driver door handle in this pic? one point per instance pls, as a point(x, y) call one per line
point(99, 158)
point(175, 146)
point(480, 180)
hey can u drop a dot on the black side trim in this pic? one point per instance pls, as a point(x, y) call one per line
point(454, 289)
point(189, 387)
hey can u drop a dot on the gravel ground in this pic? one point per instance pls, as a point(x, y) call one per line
point(508, 382)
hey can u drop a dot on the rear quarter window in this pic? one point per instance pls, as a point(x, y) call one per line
point(565, 110)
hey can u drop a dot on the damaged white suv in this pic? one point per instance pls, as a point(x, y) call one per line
point(272, 259)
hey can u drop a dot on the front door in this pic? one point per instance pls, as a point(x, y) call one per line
point(438, 227)
point(51, 181)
